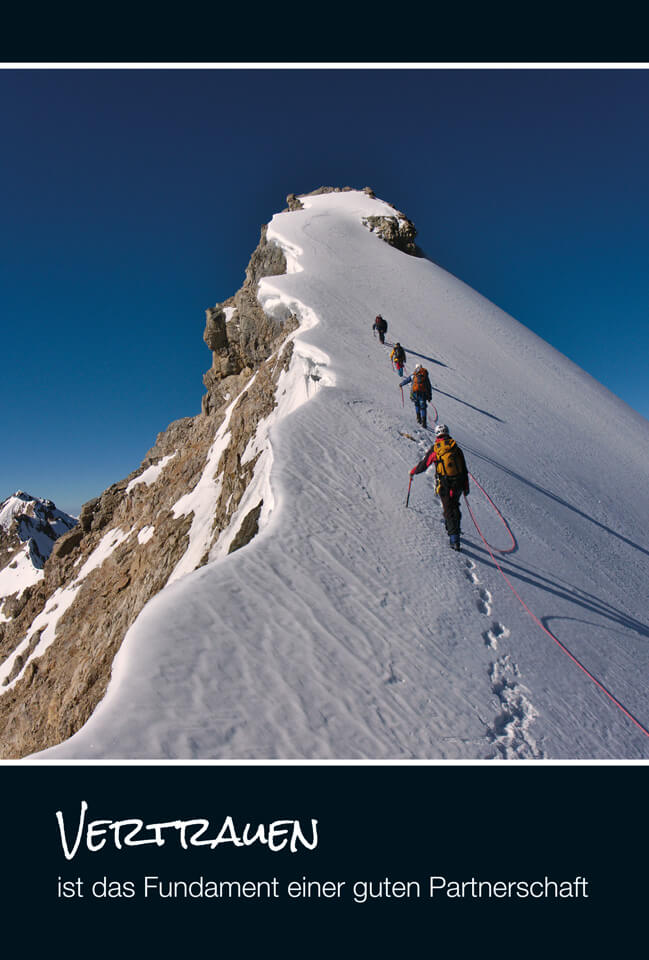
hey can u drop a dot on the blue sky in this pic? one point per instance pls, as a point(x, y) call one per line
point(132, 199)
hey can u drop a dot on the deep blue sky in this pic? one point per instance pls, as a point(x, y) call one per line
point(131, 201)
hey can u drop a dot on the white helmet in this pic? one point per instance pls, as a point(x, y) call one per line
point(417, 367)
point(441, 430)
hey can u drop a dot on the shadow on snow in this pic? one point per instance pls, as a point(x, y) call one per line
point(557, 499)
point(581, 598)
point(485, 413)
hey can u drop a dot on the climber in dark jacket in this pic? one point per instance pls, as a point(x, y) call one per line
point(381, 326)
point(452, 479)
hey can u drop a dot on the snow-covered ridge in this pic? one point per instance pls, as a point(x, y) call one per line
point(306, 374)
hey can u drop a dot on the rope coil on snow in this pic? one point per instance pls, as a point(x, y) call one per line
point(504, 522)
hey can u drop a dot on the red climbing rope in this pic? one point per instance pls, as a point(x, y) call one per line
point(505, 524)
point(536, 620)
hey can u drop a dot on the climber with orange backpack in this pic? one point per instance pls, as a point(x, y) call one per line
point(421, 391)
point(452, 479)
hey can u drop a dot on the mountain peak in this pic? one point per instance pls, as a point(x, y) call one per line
point(29, 528)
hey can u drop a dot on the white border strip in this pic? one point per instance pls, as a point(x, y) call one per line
point(528, 65)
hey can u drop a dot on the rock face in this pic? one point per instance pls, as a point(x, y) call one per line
point(60, 634)
point(398, 231)
point(238, 332)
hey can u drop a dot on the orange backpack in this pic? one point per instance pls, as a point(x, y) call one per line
point(419, 378)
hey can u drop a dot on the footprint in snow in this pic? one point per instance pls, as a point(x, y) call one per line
point(470, 573)
point(496, 632)
point(510, 732)
point(483, 603)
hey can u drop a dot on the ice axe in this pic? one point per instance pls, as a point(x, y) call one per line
point(408, 496)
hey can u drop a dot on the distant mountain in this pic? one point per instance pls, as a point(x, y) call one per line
point(29, 527)
point(257, 588)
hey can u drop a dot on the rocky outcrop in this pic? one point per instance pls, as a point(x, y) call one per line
point(398, 231)
point(65, 544)
point(237, 331)
point(248, 529)
point(254, 404)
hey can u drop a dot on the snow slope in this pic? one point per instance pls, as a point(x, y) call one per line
point(347, 628)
